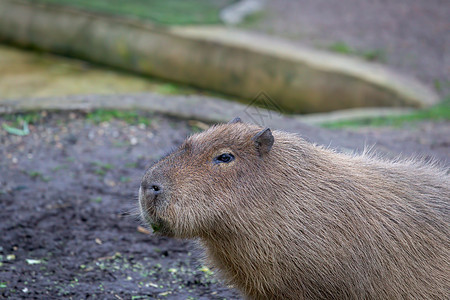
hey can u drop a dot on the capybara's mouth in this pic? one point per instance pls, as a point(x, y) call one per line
point(160, 226)
point(156, 227)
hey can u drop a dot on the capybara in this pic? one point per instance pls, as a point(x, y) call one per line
point(281, 218)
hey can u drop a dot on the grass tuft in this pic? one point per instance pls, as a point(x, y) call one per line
point(165, 12)
point(107, 115)
point(438, 112)
point(370, 55)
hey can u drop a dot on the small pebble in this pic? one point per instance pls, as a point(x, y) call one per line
point(91, 135)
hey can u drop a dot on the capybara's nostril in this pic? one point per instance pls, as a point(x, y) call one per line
point(151, 190)
point(155, 189)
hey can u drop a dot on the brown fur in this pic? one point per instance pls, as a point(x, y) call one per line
point(304, 222)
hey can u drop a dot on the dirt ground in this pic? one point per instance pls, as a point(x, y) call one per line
point(69, 224)
point(68, 192)
point(412, 36)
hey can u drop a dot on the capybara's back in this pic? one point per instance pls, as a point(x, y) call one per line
point(285, 219)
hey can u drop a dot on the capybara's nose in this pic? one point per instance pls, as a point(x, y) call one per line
point(152, 190)
point(155, 189)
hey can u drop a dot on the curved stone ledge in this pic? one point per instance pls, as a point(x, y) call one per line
point(232, 62)
point(206, 109)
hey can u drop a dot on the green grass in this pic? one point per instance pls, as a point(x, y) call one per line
point(437, 85)
point(107, 115)
point(341, 47)
point(18, 119)
point(169, 89)
point(103, 165)
point(125, 179)
point(101, 168)
point(253, 19)
point(97, 200)
point(370, 55)
point(374, 55)
point(196, 129)
point(438, 112)
point(166, 12)
point(38, 175)
point(441, 85)
point(60, 167)
point(131, 165)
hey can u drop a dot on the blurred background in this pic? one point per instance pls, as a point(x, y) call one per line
point(93, 92)
point(309, 56)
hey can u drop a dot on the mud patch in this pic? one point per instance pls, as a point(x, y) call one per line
point(69, 229)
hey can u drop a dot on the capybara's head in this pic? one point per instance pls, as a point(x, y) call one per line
point(204, 185)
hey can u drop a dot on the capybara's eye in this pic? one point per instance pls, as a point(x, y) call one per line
point(224, 158)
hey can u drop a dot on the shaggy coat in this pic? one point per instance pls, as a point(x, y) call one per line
point(285, 219)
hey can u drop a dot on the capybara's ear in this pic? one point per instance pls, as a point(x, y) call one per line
point(263, 141)
point(235, 120)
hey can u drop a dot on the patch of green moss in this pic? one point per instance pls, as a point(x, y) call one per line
point(341, 47)
point(370, 55)
point(29, 118)
point(38, 175)
point(167, 12)
point(252, 20)
point(437, 112)
point(107, 115)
